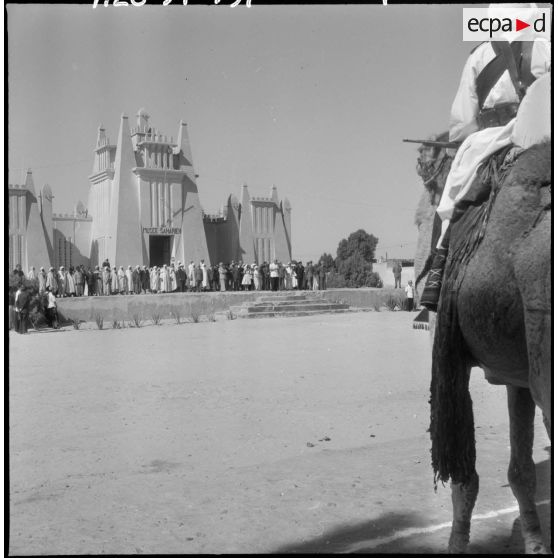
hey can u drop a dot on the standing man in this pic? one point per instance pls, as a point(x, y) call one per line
point(62, 282)
point(42, 280)
point(222, 277)
point(198, 275)
point(397, 273)
point(274, 275)
point(79, 281)
point(308, 276)
point(136, 281)
point(97, 281)
point(51, 312)
point(52, 281)
point(107, 281)
point(235, 275)
point(192, 275)
point(18, 272)
point(181, 278)
point(22, 308)
point(410, 292)
point(321, 277)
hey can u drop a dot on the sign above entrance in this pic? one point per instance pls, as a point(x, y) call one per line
point(162, 230)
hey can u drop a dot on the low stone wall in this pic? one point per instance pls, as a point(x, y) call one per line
point(125, 307)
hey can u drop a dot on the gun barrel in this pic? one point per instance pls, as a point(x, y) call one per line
point(434, 143)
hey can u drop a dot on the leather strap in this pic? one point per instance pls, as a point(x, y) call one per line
point(508, 57)
point(504, 49)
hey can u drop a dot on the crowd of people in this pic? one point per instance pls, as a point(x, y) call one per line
point(108, 280)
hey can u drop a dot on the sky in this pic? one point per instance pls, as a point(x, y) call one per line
point(312, 99)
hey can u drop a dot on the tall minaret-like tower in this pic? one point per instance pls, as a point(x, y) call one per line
point(37, 248)
point(125, 246)
point(246, 230)
point(100, 196)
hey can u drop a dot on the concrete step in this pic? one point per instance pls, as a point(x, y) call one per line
point(287, 306)
point(293, 313)
point(282, 298)
point(294, 307)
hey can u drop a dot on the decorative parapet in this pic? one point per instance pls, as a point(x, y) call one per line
point(262, 199)
point(214, 218)
point(156, 138)
point(70, 217)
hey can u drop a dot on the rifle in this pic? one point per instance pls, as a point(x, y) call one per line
point(434, 143)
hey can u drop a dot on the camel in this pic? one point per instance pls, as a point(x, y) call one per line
point(494, 312)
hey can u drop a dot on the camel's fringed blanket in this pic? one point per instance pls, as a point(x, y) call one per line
point(452, 429)
point(422, 320)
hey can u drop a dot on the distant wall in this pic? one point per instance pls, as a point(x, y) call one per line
point(384, 271)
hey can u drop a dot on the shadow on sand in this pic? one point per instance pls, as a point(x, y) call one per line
point(365, 536)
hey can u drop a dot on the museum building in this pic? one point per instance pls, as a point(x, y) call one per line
point(144, 208)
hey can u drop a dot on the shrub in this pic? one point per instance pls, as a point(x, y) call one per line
point(395, 302)
point(137, 320)
point(76, 324)
point(37, 318)
point(156, 318)
point(116, 324)
point(194, 315)
point(230, 315)
point(177, 316)
point(210, 313)
point(99, 321)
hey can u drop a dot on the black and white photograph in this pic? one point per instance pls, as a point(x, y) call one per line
point(279, 278)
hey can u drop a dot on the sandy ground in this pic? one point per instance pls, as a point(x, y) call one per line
point(247, 436)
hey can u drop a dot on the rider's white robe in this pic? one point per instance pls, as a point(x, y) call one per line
point(479, 144)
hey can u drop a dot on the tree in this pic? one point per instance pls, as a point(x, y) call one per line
point(359, 242)
point(327, 261)
point(354, 260)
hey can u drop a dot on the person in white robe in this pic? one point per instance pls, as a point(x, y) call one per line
point(484, 125)
point(172, 277)
point(478, 144)
point(70, 284)
point(154, 279)
point(257, 277)
point(42, 280)
point(129, 280)
point(107, 280)
point(192, 275)
point(205, 276)
point(164, 279)
point(122, 283)
point(114, 287)
point(62, 282)
point(52, 281)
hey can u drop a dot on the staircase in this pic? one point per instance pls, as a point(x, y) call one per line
point(287, 305)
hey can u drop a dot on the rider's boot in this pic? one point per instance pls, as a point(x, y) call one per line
point(433, 285)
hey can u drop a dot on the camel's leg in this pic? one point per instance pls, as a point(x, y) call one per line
point(521, 472)
point(463, 498)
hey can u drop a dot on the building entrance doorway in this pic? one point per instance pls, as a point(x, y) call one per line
point(159, 250)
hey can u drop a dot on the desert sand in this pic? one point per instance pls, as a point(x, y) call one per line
point(303, 434)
